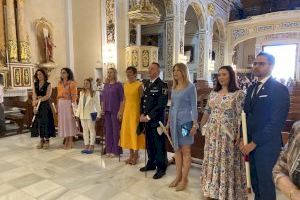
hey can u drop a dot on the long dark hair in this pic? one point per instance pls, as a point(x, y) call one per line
point(69, 72)
point(232, 86)
point(44, 74)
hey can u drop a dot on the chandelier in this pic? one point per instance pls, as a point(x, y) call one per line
point(143, 12)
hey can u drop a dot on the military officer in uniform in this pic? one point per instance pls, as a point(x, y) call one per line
point(154, 101)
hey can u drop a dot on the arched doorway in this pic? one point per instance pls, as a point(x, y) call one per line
point(194, 39)
point(218, 45)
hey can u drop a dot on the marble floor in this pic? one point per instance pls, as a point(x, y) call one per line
point(27, 173)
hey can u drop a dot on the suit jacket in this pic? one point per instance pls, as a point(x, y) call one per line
point(154, 101)
point(266, 114)
point(92, 104)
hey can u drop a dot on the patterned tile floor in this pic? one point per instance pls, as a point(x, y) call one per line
point(27, 173)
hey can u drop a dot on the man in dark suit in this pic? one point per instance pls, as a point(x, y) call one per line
point(266, 106)
point(154, 101)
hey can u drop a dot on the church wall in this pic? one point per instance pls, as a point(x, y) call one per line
point(86, 38)
point(54, 12)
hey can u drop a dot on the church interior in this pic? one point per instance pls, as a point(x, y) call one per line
point(90, 37)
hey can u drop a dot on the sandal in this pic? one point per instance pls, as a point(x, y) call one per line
point(46, 144)
point(40, 145)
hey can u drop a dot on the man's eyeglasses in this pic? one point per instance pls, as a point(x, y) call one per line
point(259, 64)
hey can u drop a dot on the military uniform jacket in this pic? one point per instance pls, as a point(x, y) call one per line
point(154, 101)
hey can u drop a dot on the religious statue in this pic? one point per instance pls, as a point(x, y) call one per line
point(44, 31)
point(49, 45)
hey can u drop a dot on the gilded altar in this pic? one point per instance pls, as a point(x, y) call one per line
point(141, 56)
point(15, 63)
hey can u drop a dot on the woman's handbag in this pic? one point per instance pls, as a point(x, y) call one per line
point(186, 128)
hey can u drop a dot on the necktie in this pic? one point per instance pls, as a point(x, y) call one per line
point(256, 89)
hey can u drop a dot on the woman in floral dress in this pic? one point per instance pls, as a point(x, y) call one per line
point(223, 174)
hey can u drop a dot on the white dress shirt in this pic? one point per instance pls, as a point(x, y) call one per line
point(263, 81)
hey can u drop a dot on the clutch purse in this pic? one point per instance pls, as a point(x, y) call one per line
point(186, 128)
point(94, 116)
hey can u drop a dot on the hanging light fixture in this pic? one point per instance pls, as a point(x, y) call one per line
point(143, 12)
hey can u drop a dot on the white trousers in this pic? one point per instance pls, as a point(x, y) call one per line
point(89, 132)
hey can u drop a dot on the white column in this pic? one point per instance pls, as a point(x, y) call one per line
point(138, 35)
point(69, 36)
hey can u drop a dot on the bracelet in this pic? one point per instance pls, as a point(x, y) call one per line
point(291, 193)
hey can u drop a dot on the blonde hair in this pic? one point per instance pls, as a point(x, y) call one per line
point(185, 74)
point(90, 80)
point(115, 74)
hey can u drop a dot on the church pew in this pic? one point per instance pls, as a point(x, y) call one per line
point(18, 111)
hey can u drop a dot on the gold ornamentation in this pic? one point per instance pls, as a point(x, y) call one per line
point(135, 58)
point(26, 77)
point(144, 12)
point(141, 56)
point(17, 77)
point(13, 51)
point(145, 58)
point(24, 52)
point(211, 9)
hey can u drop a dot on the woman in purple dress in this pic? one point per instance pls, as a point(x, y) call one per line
point(112, 96)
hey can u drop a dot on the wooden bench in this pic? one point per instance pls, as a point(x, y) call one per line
point(18, 118)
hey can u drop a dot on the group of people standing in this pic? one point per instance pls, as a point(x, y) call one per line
point(134, 111)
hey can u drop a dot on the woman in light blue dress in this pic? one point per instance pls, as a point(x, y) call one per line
point(183, 123)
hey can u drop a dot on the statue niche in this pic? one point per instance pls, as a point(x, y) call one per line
point(44, 33)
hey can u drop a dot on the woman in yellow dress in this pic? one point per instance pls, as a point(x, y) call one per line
point(130, 114)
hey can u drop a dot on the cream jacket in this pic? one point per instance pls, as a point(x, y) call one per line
point(92, 104)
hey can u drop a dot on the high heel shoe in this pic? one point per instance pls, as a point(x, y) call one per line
point(181, 186)
point(174, 183)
